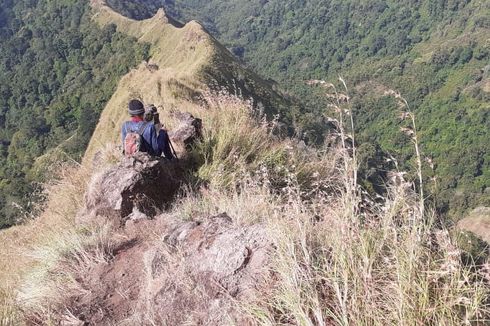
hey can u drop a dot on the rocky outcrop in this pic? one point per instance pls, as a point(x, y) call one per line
point(193, 273)
point(171, 272)
point(166, 271)
point(477, 222)
point(139, 184)
point(188, 132)
point(142, 186)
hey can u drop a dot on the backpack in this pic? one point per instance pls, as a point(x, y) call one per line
point(134, 141)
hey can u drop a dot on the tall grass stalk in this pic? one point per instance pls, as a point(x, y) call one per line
point(411, 131)
point(326, 268)
point(340, 102)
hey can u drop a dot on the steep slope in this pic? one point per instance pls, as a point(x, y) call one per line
point(185, 63)
point(436, 53)
point(263, 230)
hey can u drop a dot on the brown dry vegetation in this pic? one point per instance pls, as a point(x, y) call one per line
point(334, 263)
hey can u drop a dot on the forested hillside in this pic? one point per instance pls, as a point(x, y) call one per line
point(57, 71)
point(435, 53)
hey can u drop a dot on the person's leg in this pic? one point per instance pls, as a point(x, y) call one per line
point(164, 145)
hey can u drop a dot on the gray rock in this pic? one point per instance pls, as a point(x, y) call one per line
point(216, 263)
point(194, 273)
point(188, 131)
point(140, 183)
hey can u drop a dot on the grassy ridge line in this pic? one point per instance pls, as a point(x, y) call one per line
point(178, 60)
point(332, 266)
point(184, 48)
point(185, 61)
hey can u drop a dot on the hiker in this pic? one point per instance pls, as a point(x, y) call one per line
point(139, 135)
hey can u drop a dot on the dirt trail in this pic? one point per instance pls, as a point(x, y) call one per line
point(170, 272)
point(165, 271)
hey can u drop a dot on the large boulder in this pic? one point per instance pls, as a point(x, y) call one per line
point(137, 185)
point(188, 131)
point(178, 273)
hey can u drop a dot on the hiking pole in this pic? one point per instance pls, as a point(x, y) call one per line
point(172, 148)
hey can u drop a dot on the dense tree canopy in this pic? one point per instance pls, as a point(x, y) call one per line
point(57, 70)
point(435, 52)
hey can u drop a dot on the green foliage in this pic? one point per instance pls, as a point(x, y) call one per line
point(57, 71)
point(434, 52)
point(140, 9)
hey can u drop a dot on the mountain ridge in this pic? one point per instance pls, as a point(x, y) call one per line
point(435, 53)
point(248, 227)
point(185, 62)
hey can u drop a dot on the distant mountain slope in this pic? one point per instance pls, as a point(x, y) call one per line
point(185, 63)
point(436, 53)
point(57, 71)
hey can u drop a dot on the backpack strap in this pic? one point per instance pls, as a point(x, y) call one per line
point(141, 130)
point(125, 126)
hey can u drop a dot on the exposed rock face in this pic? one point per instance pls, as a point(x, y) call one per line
point(188, 132)
point(166, 271)
point(141, 185)
point(192, 273)
point(477, 222)
point(138, 184)
point(216, 262)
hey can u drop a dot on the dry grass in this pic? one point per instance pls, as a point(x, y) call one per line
point(333, 264)
point(392, 268)
point(9, 313)
point(235, 146)
point(32, 253)
point(65, 195)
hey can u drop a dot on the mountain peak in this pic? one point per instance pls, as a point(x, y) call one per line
point(161, 31)
point(162, 16)
point(185, 62)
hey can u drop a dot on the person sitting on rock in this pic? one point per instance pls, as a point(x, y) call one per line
point(139, 135)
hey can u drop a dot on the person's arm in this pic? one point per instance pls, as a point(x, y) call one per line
point(123, 133)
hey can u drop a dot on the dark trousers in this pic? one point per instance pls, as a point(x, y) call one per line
point(164, 144)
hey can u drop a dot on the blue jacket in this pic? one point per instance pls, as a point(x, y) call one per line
point(153, 143)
